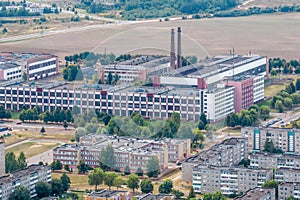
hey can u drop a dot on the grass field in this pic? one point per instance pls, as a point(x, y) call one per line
point(31, 149)
point(204, 37)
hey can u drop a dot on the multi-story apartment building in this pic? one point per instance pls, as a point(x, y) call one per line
point(271, 160)
point(287, 175)
point(27, 177)
point(288, 140)
point(228, 153)
point(10, 71)
point(258, 194)
point(133, 152)
point(41, 66)
point(2, 158)
point(289, 189)
point(228, 180)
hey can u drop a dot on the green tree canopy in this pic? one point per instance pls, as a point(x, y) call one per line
point(109, 178)
point(107, 157)
point(146, 186)
point(42, 189)
point(166, 187)
point(271, 184)
point(214, 196)
point(153, 168)
point(65, 181)
point(20, 193)
point(96, 177)
point(133, 181)
point(57, 187)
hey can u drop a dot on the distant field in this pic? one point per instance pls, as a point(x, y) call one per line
point(270, 35)
point(269, 3)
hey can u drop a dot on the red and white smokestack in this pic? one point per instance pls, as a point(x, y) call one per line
point(172, 53)
point(179, 57)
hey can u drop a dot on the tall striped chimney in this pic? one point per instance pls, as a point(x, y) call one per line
point(172, 53)
point(179, 56)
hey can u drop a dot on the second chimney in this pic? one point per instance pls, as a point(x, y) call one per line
point(172, 53)
point(179, 58)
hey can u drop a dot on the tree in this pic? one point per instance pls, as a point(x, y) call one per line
point(295, 98)
point(214, 196)
point(279, 106)
point(11, 164)
point(69, 116)
point(109, 178)
point(133, 182)
point(269, 146)
point(191, 193)
point(107, 157)
point(298, 84)
point(153, 167)
point(56, 165)
point(139, 171)
point(273, 73)
point(178, 194)
point(201, 125)
point(288, 103)
point(42, 189)
point(203, 118)
point(20, 193)
point(264, 112)
point(4, 31)
point(127, 170)
point(166, 187)
point(96, 177)
point(109, 78)
point(75, 110)
point(271, 184)
point(146, 186)
point(8, 114)
point(57, 187)
point(47, 117)
point(42, 130)
point(82, 167)
point(79, 133)
point(22, 161)
point(65, 125)
point(67, 168)
point(291, 198)
point(65, 181)
point(56, 115)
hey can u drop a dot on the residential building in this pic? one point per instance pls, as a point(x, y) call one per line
point(289, 189)
point(27, 177)
point(267, 160)
point(41, 67)
point(288, 140)
point(134, 152)
point(258, 194)
point(108, 195)
point(287, 175)
point(2, 158)
point(10, 71)
point(228, 153)
point(228, 180)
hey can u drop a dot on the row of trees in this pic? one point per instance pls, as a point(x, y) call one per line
point(287, 98)
point(90, 58)
point(247, 117)
point(57, 115)
point(4, 113)
point(278, 65)
point(22, 12)
point(72, 73)
point(13, 164)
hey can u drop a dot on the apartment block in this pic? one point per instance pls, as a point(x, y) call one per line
point(287, 175)
point(289, 189)
point(271, 160)
point(134, 152)
point(258, 194)
point(41, 66)
point(27, 177)
point(228, 153)
point(288, 140)
point(228, 180)
point(2, 158)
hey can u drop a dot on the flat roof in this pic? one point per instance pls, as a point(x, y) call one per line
point(107, 193)
point(256, 193)
point(5, 66)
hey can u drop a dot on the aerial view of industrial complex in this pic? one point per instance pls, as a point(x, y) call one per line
point(150, 100)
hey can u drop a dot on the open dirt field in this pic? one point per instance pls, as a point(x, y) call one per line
point(270, 35)
point(32, 148)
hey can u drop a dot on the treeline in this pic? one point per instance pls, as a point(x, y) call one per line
point(256, 11)
point(278, 65)
point(72, 72)
point(247, 117)
point(22, 12)
point(135, 9)
point(287, 98)
point(57, 116)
